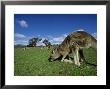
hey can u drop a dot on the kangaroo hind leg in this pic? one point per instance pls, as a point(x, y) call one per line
point(81, 55)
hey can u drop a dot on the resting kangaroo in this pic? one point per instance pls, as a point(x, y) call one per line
point(74, 43)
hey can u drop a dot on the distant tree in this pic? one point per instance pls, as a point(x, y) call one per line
point(55, 45)
point(19, 45)
point(33, 42)
point(47, 43)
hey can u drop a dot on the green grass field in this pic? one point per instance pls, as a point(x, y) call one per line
point(34, 62)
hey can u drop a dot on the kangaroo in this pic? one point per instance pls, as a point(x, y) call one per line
point(74, 43)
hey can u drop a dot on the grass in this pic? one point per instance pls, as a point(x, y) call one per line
point(34, 62)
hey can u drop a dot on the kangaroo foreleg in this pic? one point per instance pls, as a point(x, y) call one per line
point(76, 57)
point(64, 56)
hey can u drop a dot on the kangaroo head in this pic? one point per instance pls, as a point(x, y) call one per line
point(54, 55)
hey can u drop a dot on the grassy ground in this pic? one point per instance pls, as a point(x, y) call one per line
point(34, 62)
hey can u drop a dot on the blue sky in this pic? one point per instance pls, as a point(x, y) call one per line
point(54, 27)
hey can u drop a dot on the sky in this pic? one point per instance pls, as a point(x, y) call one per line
point(54, 27)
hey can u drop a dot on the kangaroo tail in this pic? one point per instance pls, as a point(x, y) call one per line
point(82, 56)
point(89, 63)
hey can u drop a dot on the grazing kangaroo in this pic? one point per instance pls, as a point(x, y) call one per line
point(74, 43)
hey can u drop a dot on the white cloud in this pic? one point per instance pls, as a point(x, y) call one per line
point(80, 30)
point(65, 35)
point(43, 38)
point(24, 42)
point(23, 23)
point(57, 40)
point(94, 35)
point(40, 43)
point(18, 35)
